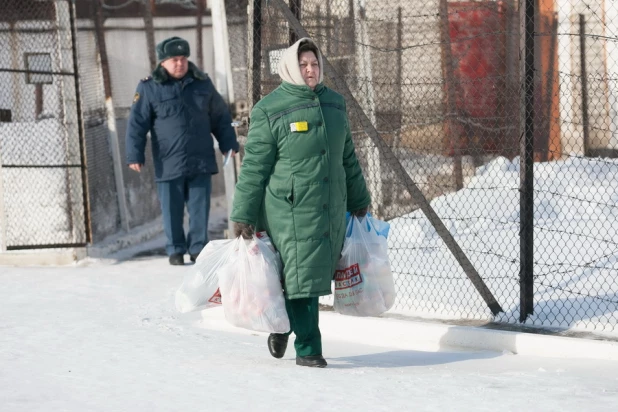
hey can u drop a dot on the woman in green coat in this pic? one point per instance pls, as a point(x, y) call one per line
point(299, 176)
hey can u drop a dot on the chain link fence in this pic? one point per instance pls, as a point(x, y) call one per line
point(69, 71)
point(487, 134)
point(42, 192)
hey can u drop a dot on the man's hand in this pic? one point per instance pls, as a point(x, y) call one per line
point(244, 230)
point(360, 213)
point(136, 166)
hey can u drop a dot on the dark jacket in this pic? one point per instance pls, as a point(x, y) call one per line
point(180, 115)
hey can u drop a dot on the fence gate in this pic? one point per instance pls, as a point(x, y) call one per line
point(43, 198)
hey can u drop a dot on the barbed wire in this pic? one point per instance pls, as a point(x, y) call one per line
point(463, 277)
point(187, 4)
point(119, 6)
point(437, 14)
point(588, 35)
point(599, 19)
point(573, 267)
point(573, 292)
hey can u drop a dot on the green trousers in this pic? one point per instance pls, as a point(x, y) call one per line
point(304, 320)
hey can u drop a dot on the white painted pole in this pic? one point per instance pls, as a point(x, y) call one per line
point(118, 163)
point(3, 221)
point(73, 177)
point(572, 134)
point(111, 117)
point(223, 66)
point(611, 19)
point(225, 86)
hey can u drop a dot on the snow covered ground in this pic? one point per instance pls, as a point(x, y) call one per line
point(104, 336)
point(575, 254)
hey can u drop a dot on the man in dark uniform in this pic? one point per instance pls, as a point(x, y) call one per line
point(180, 108)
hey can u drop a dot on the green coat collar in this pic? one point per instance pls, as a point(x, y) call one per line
point(160, 75)
point(302, 91)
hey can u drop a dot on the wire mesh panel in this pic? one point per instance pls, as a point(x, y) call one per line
point(104, 209)
point(502, 113)
point(41, 169)
point(575, 194)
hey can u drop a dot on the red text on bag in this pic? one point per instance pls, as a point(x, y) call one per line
point(348, 277)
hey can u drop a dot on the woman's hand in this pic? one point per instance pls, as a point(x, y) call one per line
point(360, 213)
point(244, 230)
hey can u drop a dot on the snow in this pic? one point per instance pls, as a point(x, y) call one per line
point(104, 335)
point(575, 240)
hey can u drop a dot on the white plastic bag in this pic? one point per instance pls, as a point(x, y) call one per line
point(200, 287)
point(364, 284)
point(251, 289)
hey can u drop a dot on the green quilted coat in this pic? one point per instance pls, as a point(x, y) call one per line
point(298, 185)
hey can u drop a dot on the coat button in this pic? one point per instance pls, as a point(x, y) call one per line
point(319, 123)
point(325, 206)
point(326, 234)
point(326, 179)
point(323, 151)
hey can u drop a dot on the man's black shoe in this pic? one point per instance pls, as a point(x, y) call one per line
point(193, 257)
point(177, 259)
point(313, 361)
point(277, 344)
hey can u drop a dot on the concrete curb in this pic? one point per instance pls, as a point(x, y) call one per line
point(42, 257)
point(433, 337)
point(407, 334)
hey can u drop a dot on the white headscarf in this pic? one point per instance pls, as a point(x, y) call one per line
point(289, 70)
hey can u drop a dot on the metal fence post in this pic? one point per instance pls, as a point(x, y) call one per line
point(452, 115)
point(199, 31)
point(526, 223)
point(148, 6)
point(80, 126)
point(295, 6)
point(225, 85)
point(366, 96)
point(254, 50)
point(3, 220)
point(582, 59)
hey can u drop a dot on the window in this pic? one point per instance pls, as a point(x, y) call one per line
point(38, 62)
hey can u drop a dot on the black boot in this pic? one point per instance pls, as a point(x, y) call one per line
point(177, 259)
point(193, 257)
point(277, 344)
point(313, 361)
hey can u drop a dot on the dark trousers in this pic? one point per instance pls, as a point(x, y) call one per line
point(194, 191)
point(304, 320)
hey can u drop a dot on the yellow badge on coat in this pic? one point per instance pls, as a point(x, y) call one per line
point(299, 127)
point(136, 97)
